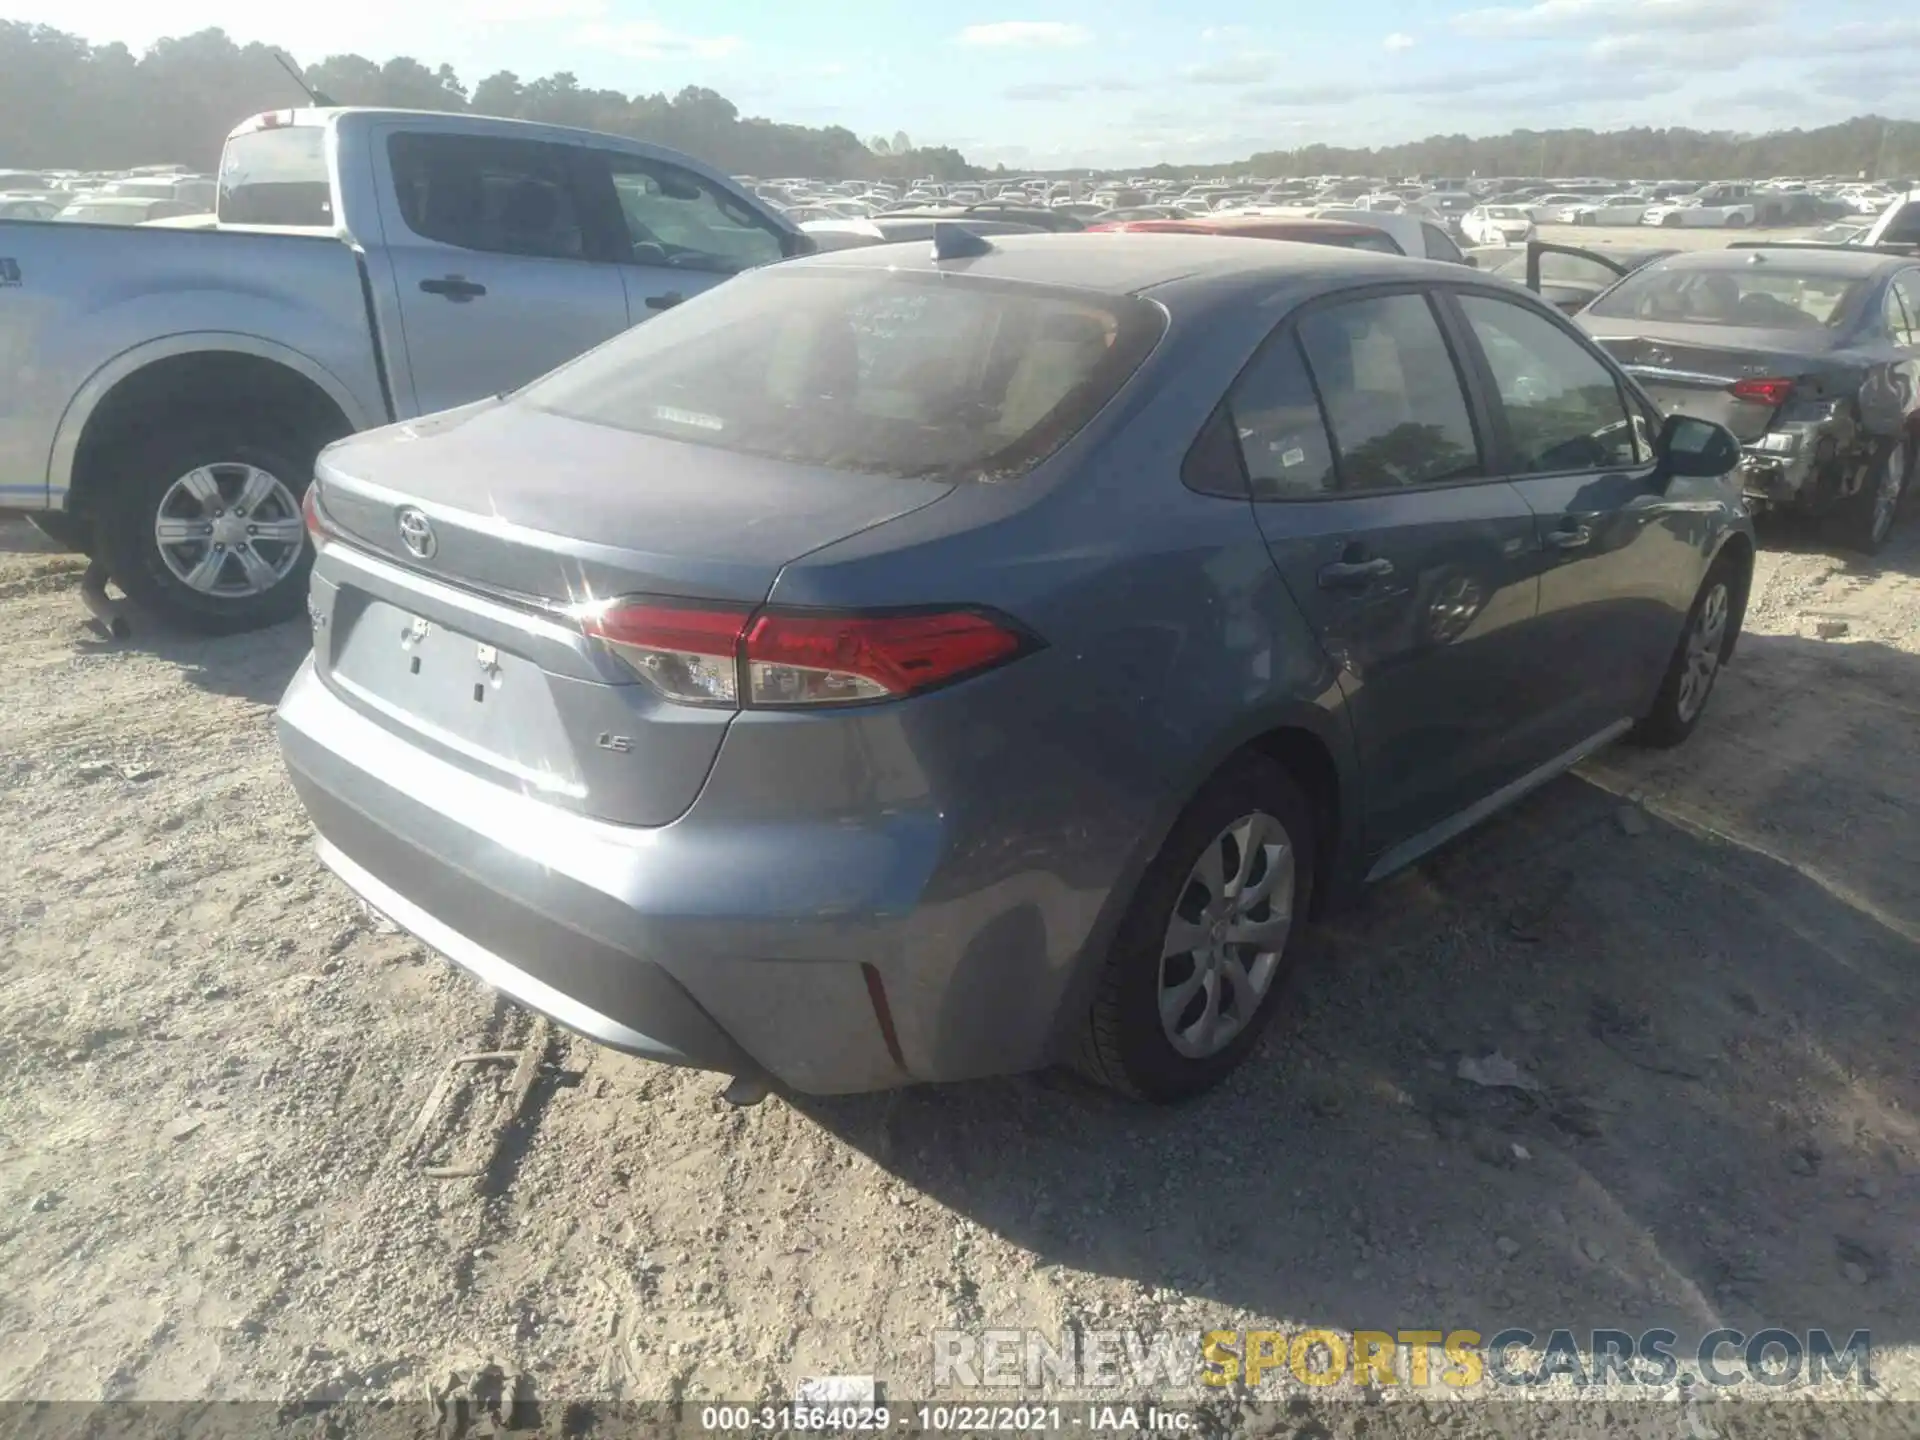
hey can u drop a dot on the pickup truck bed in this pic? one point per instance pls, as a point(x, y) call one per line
point(170, 389)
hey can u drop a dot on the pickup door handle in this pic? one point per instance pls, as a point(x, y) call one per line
point(1354, 574)
point(454, 288)
point(1569, 537)
point(664, 302)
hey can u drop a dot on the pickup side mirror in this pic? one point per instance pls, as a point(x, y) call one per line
point(1690, 446)
point(1472, 262)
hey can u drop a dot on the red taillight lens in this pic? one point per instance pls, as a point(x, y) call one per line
point(1767, 392)
point(318, 530)
point(837, 659)
point(687, 653)
point(712, 655)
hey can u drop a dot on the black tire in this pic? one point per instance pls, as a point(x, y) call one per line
point(1858, 521)
point(144, 471)
point(1124, 1045)
point(1672, 222)
point(1673, 716)
point(65, 529)
point(1736, 222)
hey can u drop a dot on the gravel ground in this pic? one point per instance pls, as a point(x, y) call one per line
point(212, 1060)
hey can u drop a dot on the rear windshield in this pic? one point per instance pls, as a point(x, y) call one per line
point(945, 376)
point(1754, 297)
point(276, 177)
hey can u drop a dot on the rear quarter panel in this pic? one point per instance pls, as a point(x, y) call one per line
point(89, 305)
point(1169, 642)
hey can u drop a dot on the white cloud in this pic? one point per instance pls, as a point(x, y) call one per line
point(1300, 95)
point(1039, 34)
point(1216, 34)
point(645, 40)
point(1398, 40)
point(1553, 17)
point(1663, 52)
point(1246, 70)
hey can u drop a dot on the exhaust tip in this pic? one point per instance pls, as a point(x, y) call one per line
point(745, 1090)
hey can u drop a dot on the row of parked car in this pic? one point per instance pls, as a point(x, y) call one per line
point(1481, 212)
point(925, 660)
point(139, 196)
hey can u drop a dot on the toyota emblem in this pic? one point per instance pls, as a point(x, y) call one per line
point(416, 533)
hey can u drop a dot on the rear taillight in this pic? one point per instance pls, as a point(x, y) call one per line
point(1767, 392)
point(687, 653)
point(833, 659)
point(318, 528)
point(701, 655)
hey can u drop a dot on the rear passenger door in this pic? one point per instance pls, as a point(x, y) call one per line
point(492, 251)
point(1412, 566)
point(1619, 559)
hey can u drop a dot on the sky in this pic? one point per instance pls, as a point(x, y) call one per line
point(1056, 83)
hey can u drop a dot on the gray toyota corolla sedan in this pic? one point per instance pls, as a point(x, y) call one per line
point(925, 662)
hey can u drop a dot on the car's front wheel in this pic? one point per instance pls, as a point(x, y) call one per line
point(1197, 967)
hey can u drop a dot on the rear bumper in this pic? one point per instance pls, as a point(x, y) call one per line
point(714, 947)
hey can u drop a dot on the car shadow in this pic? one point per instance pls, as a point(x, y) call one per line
point(255, 666)
point(1706, 960)
point(1797, 535)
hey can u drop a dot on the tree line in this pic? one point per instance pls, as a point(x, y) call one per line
point(67, 104)
point(70, 104)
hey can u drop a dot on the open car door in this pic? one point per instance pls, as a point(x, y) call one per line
point(1577, 288)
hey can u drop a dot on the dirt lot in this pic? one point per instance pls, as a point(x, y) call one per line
point(212, 1059)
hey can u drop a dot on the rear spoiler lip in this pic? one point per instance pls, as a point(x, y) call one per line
point(1885, 247)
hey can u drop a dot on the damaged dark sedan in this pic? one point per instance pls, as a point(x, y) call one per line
point(1810, 356)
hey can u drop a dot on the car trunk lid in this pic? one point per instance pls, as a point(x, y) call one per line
point(1726, 376)
point(470, 537)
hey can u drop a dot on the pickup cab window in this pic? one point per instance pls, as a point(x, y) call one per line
point(478, 192)
point(276, 176)
point(680, 220)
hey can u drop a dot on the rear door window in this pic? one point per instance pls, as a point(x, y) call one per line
point(1392, 394)
point(1277, 420)
point(1439, 244)
point(478, 192)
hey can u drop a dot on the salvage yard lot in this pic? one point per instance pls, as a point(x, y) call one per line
point(214, 1061)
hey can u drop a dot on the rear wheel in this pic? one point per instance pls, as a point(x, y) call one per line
point(1736, 222)
point(1865, 518)
point(1704, 646)
point(1672, 222)
point(1197, 968)
point(203, 526)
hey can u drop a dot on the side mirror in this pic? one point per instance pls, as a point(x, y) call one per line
point(1690, 446)
point(1471, 261)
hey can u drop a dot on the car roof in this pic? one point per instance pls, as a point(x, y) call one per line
point(1119, 263)
point(1805, 259)
point(1268, 227)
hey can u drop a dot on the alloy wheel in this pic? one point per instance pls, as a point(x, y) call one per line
point(1705, 641)
point(229, 530)
point(1224, 940)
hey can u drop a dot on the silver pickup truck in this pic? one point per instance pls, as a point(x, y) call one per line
point(168, 389)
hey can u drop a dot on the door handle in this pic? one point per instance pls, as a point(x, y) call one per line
point(1569, 537)
point(455, 288)
point(664, 302)
point(1354, 574)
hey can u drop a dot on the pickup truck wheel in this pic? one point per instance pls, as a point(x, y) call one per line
point(204, 528)
point(1864, 519)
